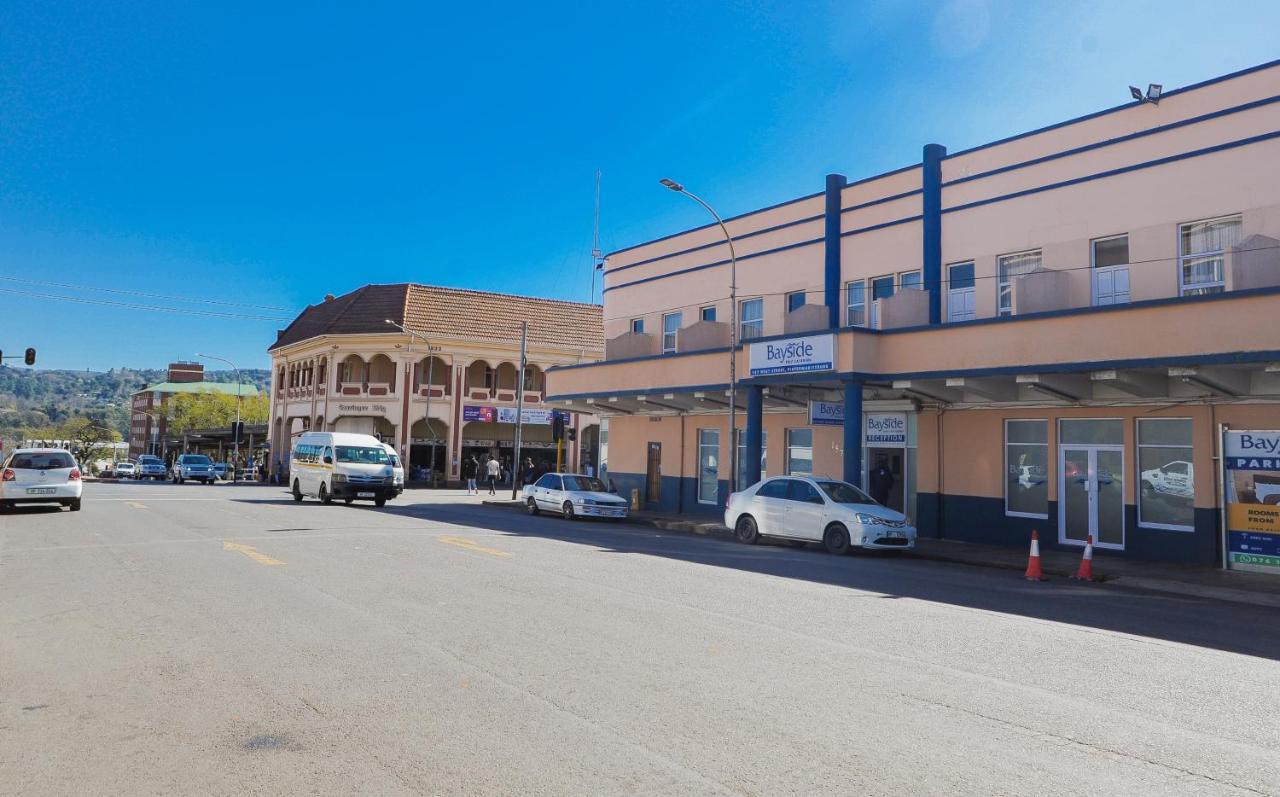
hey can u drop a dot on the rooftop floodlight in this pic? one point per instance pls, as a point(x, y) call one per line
point(1136, 93)
point(672, 184)
point(1153, 91)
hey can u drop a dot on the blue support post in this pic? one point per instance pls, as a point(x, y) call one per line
point(835, 187)
point(853, 432)
point(755, 434)
point(931, 224)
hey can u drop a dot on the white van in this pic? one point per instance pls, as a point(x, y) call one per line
point(397, 467)
point(329, 465)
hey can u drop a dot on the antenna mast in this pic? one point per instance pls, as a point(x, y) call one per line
point(597, 262)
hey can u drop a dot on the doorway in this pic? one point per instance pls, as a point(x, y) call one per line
point(653, 475)
point(886, 477)
point(1091, 495)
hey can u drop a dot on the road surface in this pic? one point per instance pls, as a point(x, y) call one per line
point(225, 640)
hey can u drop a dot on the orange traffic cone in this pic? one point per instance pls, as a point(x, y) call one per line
point(1085, 573)
point(1033, 562)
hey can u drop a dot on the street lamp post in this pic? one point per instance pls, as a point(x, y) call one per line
point(733, 332)
point(431, 362)
point(235, 429)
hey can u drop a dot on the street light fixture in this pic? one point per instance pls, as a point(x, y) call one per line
point(431, 362)
point(235, 429)
point(733, 331)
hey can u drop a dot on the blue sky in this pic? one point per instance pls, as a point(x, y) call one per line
point(267, 153)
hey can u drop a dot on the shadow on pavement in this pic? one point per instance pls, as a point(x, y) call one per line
point(1236, 628)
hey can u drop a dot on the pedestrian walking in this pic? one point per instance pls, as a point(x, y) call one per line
point(494, 468)
point(470, 468)
point(529, 473)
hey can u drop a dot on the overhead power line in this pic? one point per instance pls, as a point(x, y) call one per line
point(143, 294)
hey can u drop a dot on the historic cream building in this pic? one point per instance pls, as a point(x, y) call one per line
point(442, 393)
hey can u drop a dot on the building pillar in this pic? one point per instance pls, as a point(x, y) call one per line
point(835, 189)
point(755, 435)
point(931, 225)
point(853, 432)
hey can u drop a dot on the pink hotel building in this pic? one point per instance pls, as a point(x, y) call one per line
point(1043, 332)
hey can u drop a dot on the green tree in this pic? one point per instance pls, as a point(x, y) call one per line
point(189, 411)
point(89, 440)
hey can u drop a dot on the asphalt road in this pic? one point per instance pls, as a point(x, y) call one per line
point(223, 640)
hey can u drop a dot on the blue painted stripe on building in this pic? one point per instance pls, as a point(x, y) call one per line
point(1112, 141)
point(931, 207)
point(831, 253)
point(1114, 109)
point(736, 238)
point(1243, 142)
point(881, 226)
point(880, 201)
point(724, 262)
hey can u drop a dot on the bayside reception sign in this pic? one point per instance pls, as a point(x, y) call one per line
point(1253, 500)
point(793, 355)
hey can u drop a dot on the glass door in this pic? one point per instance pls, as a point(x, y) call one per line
point(1091, 495)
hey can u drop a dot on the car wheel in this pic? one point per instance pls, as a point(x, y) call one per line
point(297, 491)
point(379, 502)
point(746, 531)
point(836, 539)
point(568, 511)
point(347, 501)
point(531, 506)
point(75, 504)
point(325, 498)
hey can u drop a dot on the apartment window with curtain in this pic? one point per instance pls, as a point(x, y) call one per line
point(911, 281)
point(856, 304)
point(1166, 474)
point(751, 319)
point(670, 326)
point(961, 296)
point(795, 300)
point(708, 314)
point(1008, 267)
point(1202, 252)
point(637, 325)
point(1026, 465)
point(1110, 270)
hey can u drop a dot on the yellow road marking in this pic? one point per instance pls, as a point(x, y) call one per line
point(251, 552)
point(136, 505)
point(471, 545)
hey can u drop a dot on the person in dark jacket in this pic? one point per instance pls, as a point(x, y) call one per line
point(881, 481)
point(470, 467)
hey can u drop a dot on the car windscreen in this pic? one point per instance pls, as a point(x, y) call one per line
point(395, 460)
point(845, 493)
point(196, 459)
point(584, 484)
point(364, 455)
point(144, 459)
point(53, 459)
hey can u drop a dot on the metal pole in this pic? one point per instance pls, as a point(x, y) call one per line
point(235, 454)
point(515, 464)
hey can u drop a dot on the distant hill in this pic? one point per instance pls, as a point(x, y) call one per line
point(34, 397)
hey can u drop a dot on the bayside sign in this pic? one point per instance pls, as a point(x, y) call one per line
point(793, 355)
point(886, 429)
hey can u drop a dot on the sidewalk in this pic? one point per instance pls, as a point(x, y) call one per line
point(1192, 580)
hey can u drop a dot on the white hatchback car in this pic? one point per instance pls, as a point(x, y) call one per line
point(41, 476)
point(804, 509)
point(573, 495)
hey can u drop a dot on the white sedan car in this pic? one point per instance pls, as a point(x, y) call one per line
point(804, 509)
point(41, 476)
point(573, 495)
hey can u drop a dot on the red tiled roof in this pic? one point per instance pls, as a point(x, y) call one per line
point(450, 312)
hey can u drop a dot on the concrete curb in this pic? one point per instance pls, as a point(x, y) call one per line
point(1162, 585)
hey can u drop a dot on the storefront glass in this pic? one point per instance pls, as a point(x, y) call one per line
point(742, 457)
point(800, 452)
point(1166, 473)
point(1026, 468)
point(708, 465)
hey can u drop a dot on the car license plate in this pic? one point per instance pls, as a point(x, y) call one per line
point(364, 495)
point(895, 535)
point(40, 491)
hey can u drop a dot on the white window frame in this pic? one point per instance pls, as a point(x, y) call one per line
point(1093, 267)
point(952, 292)
point(1183, 257)
point(1005, 458)
point(743, 322)
point(871, 285)
point(1002, 284)
point(902, 280)
point(1138, 445)
point(679, 319)
point(637, 326)
point(702, 313)
point(701, 446)
point(849, 304)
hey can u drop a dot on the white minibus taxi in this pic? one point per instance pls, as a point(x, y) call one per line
point(350, 467)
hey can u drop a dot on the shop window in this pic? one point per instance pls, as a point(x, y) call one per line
point(961, 297)
point(856, 310)
point(800, 452)
point(1091, 431)
point(742, 457)
point(911, 281)
point(795, 300)
point(708, 314)
point(670, 326)
point(1026, 460)
point(1202, 250)
point(637, 326)
point(1166, 474)
point(1111, 270)
point(1008, 267)
point(708, 466)
point(752, 319)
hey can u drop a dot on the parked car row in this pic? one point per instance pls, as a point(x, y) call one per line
point(187, 467)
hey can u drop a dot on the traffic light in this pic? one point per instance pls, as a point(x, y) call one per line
point(30, 358)
point(571, 434)
point(557, 426)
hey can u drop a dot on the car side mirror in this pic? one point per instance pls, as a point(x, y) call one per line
point(328, 460)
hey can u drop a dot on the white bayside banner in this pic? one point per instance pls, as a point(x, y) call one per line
point(826, 413)
point(793, 355)
point(531, 416)
point(886, 429)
